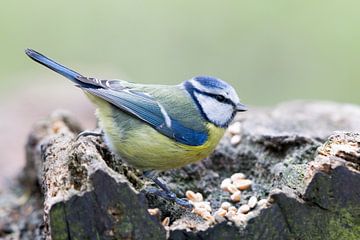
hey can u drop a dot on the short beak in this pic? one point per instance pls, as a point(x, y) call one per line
point(240, 107)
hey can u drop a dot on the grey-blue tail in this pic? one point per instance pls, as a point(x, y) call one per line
point(47, 62)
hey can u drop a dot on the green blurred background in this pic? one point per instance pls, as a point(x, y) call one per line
point(271, 51)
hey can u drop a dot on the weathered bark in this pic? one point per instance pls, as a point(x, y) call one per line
point(84, 198)
point(314, 189)
point(309, 174)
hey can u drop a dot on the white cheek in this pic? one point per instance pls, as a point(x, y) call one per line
point(215, 111)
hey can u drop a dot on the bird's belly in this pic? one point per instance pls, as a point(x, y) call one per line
point(145, 148)
point(152, 152)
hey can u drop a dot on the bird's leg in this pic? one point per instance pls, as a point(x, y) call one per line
point(89, 133)
point(166, 193)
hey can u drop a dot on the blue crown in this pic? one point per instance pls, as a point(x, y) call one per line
point(211, 82)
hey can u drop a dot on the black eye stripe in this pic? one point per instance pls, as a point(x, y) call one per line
point(192, 90)
point(215, 96)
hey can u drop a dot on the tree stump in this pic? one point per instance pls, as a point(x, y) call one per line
point(308, 174)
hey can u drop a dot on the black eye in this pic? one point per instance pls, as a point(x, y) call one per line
point(220, 98)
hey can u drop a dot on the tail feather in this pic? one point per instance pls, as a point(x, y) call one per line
point(47, 62)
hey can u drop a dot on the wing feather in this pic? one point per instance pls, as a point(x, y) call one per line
point(148, 109)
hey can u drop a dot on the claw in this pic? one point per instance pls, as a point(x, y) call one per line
point(171, 197)
point(165, 192)
point(184, 203)
point(88, 133)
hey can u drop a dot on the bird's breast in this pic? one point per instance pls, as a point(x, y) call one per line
point(147, 149)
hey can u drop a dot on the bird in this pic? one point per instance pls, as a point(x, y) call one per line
point(157, 127)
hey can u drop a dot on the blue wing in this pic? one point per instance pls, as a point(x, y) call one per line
point(137, 103)
point(146, 108)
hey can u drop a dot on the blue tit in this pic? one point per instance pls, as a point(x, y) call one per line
point(157, 127)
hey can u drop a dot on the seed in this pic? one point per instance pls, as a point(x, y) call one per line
point(194, 197)
point(252, 202)
point(200, 211)
point(225, 183)
point(230, 214)
point(262, 202)
point(239, 219)
point(209, 218)
point(154, 211)
point(166, 221)
point(237, 176)
point(219, 218)
point(207, 206)
point(244, 208)
point(231, 188)
point(250, 215)
point(221, 212)
point(243, 184)
point(225, 205)
point(190, 195)
point(199, 197)
point(235, 140)
point(202, 205)
point(232, 209)
point(235, 197)
point(235, 128)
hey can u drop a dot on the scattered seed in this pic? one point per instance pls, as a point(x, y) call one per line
point(243, 184)
point(235, 197)
point(209, 218)
point(225, 183)
point(207, 206)
point(154, 211)
point(262, 202)
point(190, 195)
point(231, 188)
point(199, 197)
point(109, 233)
point(239, 219)
point(237, 176)
point(225, 205)
point(221, 212)
point(202, 205)
point(166, 221)
point(250, 215)
point(235, 140)
point(232, 209)
point(235, 128)
point(194, 197)
point(230, 214)
point(244, 208)
point(219, 218)
point(200, 211)
point(252, 202)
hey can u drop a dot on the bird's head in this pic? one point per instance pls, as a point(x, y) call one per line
point(216, 99)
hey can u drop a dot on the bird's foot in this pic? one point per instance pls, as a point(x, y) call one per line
point(171, 197)
point(89, 133)
point(165, 192)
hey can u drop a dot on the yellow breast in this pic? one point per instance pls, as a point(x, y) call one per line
point(147, 149)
